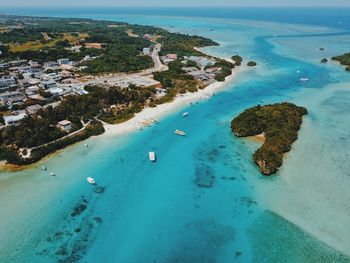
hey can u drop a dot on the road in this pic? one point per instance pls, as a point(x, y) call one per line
point(158, 66)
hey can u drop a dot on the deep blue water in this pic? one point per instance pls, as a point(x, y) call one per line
point(337, 17)
point(155, 212)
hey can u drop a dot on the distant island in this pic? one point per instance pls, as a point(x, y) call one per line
point(251, 64)
point(344, 60)
point(279, 123)
point(61, 79)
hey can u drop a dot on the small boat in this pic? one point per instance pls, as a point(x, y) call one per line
point(304, 79)
point(298, 71)
point(44, 167)
point(152, 156)
point(181, 133)
point(86, 145)
point(185, 114)
point(90, 180)
point(154, 121)
point(52, 174)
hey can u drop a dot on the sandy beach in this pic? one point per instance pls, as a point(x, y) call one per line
point(149, 115)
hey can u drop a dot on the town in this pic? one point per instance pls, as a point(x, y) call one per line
point(41, 76)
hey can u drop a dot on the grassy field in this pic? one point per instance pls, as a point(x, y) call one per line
point(38, 45)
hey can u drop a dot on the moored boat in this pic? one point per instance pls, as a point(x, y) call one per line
point(181, 133)
point(304, 79)
point(90, 180)
point(185, 114)
point(152, 156)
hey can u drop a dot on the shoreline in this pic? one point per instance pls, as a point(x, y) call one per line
point(148, 115)
point(143, 119)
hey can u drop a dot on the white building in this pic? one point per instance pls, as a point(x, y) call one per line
point(146, 51)
point(7, 81)
point(64, 125)
point(63, 61)
point(56, 91)
point(48, 84)
point(15, 118)
point(52, 76)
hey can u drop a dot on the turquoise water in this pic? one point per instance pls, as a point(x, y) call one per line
point(156, 212)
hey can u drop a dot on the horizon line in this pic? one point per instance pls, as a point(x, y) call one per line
point(177, 6)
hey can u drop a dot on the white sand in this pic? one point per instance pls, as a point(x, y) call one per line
point(149, 114)
point(312, 189)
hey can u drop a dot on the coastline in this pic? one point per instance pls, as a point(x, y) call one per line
point(148, 115)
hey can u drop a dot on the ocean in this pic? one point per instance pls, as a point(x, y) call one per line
point(156, 212)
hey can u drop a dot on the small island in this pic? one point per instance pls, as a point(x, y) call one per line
point(344, 60)
point(251, 64)
point(279, 123)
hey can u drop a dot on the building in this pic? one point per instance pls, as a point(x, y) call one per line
point(4, 66)
point(64, 125)
point(203, 61)
point(56, 91)
point(189, 69)
point(12, 97)
point(148, 37)
point(146, 51)
point(15, 118)
point(51, 65)
point(213, 70)
point(48, 84)
point(75, 48)
point(52, 76)
point(17, 63)
point(6, 83)
point(172, 56)
point(63, 61)
point(30, 110)
point(31, 90)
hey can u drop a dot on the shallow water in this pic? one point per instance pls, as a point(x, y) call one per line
point(203, 200)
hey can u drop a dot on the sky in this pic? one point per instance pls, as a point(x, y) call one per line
point(164, 3)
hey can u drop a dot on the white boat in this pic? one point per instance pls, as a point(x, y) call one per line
point(185, 114)
point(154, 121)
point(181, 133)
point(52, 174)
point(90, 180)
point(304, 79)
point(152, 156)
point(44, 167)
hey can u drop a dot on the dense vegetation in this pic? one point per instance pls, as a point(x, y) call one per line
point(344, 60)
point(182, 45)
point(226, 69)
point(237, 59)
point(251, 64)
point(49, 39)
point(280, 124)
